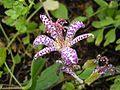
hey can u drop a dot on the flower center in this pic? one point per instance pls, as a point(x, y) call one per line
point(60, 44)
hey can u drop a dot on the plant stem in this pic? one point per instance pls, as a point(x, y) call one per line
point(12, 70)
point(4, 33)
point(11, 88)
point(13, 66)
point(28, 19)
point(12, 75)
point(12, 40)
point(31, 3)
point(46, 11)
point(11, 57)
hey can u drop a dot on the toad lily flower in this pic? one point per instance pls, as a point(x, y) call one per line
point(59, 42)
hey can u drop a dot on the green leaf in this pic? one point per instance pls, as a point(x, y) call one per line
point(86, 73)
point(96, 24)
point(17, 59)
point(110, 37)
point(27, 87)
point(21, 25)
point(61, 12)
point(102, 3)
point(117, 47)
point(105, 22)
point(25, 27)
point(80, 18)
point(99, 37)
point(8, 3)
point(2, 56)
point(49, 77)
point(89, 11)
point(117, 17)
point(12, 14)
point(89, 64)
point(117, 23)
point(118, 41)
point(68, 86)
point(95, 35)
point(42, 27)
point(101, 13)
point(31, 26)
point(40, 46)
point(113, 4)
point(17, 10)
point(20, 9)
point(37, 5)
point(8, 21)
point(116, 85)
point(37, 66)
point(92, 78)
point(51, 4)
point(26, 40)
point(111, 12)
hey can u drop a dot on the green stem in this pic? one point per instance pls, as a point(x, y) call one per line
point(4, 33)
point(11, 88)
point(12, 40)
point(11, 56)
point(12, 75)
point(31, 3)
point(28, 19)
point(12, 70)
point(13, 66)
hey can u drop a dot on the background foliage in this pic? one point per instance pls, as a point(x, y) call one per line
point(20, 24)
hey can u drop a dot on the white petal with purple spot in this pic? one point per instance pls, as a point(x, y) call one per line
point(45, 40)
point(45, 20)
point(72, 29)
point(44, 51)
point(81, 37)
point(69, 55)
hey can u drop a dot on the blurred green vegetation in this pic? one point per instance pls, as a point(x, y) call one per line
point(20, 24)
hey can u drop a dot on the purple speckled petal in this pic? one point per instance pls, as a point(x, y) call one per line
point(42, 39)
point(81, 37)
point(49, 25)
point(44, 51)
point(72, 29)
point(69, 55)
point(45, 20)
point(69, 71)
point(55, 29)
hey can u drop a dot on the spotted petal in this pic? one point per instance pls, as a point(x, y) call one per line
point(49, 25)
point(44, 51)
point(81, 37)
point(69, 55)
point(45, 20)
point(72, 29)
point(45, 40)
